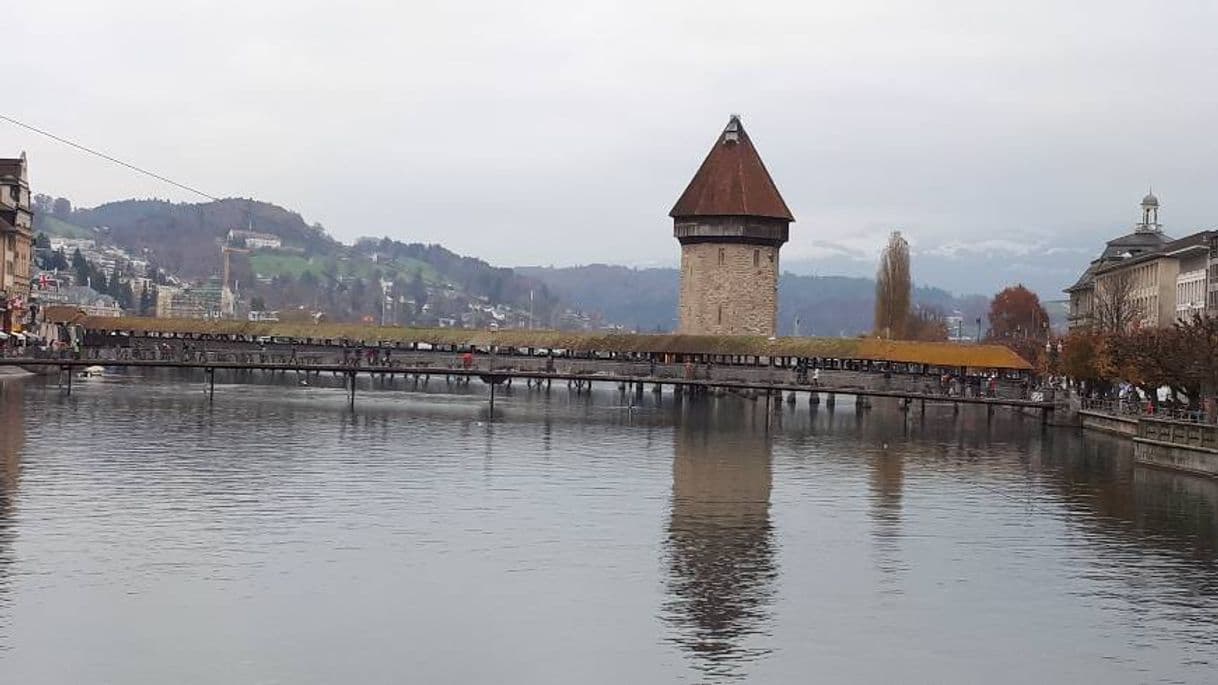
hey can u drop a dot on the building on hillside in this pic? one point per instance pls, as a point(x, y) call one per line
point(1150, 278)
point(254, 240)
point(80, 297)
point(730, 221)
point(16, 241)
point(210, 301)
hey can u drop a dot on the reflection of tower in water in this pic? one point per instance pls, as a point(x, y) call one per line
point(887, 482)
point(12, 437)
point(720, 541)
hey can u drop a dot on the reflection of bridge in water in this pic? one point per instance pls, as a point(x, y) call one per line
point(632, 380)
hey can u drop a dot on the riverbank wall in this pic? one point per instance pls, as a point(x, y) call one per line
point(1190, 447)
point(1126, 426)
point(1177, 445)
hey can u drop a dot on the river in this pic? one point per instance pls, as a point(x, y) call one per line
point(275, 537)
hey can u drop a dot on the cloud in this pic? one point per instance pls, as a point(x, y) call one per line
point(557, 132)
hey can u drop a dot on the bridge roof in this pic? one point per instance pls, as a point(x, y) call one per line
point(942, 354)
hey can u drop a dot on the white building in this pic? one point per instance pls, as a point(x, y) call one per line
point(254, 240)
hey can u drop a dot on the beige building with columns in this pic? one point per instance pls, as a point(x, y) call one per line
point(731, 222)
point(1160, 280)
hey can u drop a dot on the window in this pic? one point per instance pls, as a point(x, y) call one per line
point(720, 313)
point(756, 257)
point(722, 254)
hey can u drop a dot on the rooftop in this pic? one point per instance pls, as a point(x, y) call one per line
point(934, 354)
point(732, 181)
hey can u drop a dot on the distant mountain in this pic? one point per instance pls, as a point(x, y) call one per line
point(646, 299)
point(641, 299)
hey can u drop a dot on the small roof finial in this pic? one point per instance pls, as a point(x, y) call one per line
point(731, 133)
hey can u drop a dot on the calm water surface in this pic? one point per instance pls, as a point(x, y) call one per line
point(275, 537)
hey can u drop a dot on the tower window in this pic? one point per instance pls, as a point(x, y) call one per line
point(722, 256)
point(756, 257)
point(720, 313)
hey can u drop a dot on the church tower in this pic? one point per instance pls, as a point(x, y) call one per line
point(730, 222)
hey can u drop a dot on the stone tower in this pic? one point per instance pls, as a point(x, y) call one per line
point(730, 222)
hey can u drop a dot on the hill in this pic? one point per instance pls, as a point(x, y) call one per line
point(402, 282)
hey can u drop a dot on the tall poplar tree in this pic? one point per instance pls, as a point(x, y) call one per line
point(893, 288)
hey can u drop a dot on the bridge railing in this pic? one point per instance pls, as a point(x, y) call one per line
point(1142, 409)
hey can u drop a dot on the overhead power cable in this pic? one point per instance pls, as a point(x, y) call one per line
point(107, 157)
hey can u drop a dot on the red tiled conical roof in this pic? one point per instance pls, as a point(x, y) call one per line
point(732, 181)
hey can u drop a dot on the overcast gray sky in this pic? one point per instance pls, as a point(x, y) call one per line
point(562, 132)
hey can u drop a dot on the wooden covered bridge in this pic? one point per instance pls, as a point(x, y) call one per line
point(863, 367)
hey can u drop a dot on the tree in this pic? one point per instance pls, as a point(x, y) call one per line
point(1114, 308)
point(926, 324)
point(892, 288)
point(62, 207)
point(147, 302)
point(1016, 312)
point(42, 242)
point(43, 203)
point(418, 290)
point(1082, 358)
point(257, 304)
point(57, 261)
point(1199, 343)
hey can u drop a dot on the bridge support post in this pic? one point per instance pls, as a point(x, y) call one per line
point(492, 398)
point(211, 383)
point(69, 370)
point(351, 394)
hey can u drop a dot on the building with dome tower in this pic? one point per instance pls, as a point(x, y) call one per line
point(730, 221)
point(1144, 278)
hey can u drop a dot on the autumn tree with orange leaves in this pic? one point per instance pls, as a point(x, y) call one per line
point(1018, 321)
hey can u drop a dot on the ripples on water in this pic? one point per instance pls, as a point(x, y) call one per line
point(147, 537)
